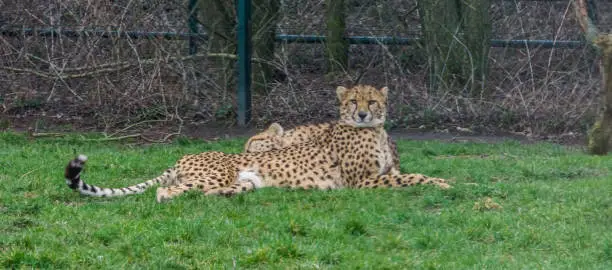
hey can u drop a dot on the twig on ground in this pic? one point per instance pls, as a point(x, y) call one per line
point(50, 134)
point(115, 67)
point(138, 135)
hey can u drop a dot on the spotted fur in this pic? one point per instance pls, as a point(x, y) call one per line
point(350, 153)
point(274, 137)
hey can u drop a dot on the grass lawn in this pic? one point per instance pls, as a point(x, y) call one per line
point(549, 208)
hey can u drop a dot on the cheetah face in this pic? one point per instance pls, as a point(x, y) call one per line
point(362, 105)
point(269, 139)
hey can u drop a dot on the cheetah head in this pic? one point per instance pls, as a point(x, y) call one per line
point(269, 139)
point(362, 105)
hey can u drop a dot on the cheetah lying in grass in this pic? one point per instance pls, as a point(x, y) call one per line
point(275, 137)
point(351, 153)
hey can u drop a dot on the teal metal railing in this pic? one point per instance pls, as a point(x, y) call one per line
point(244, 44)
point(244, 62)
point(192, 22)
point(194, 37)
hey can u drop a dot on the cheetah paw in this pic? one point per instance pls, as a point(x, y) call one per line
point(444, 185)
point(162, 194)
point(220, 191)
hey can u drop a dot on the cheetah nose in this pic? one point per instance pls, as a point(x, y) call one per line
point(362, 115)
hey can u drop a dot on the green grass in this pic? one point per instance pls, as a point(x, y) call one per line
point(556, 213)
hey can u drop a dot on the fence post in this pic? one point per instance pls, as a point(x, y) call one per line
point(592, 10)
point(193, 27)
point(244, 62)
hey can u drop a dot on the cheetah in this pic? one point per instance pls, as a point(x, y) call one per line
point(350, 154)
point(275, 137)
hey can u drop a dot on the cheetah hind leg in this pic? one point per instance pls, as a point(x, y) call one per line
point(247, 181)
point(404, 180)
point(208, 185)
point(169, 192)
point(238, 187)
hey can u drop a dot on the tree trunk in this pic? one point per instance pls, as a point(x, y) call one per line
point(265, 18)
point(599, 135)
point(440, 25)
point(456, 38)
point(336, 46)
point(477, 28)
point(219, 19)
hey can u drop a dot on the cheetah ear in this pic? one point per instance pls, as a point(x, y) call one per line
point(384, 91)
point(276, 129)
point(340, 91)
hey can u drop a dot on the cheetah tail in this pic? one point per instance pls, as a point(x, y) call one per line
point(73, 179)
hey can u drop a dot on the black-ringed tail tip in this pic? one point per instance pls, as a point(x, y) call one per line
point(74, 181)
point(73, 171)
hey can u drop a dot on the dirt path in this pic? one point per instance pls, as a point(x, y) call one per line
point(219, 131)
point(213, 133)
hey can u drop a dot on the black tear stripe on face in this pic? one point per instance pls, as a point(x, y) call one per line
point(353, 112)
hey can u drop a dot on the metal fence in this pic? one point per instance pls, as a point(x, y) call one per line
point(243, 10)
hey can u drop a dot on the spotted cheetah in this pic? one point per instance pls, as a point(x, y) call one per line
point(348, 154)
point(275, 137)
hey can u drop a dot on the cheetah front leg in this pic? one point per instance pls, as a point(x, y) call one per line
point(402, 180)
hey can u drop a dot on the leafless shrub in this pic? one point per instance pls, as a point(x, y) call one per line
point(114, 82)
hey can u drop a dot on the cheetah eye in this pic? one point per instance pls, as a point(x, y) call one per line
point(353, 101)
point(371, 102)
